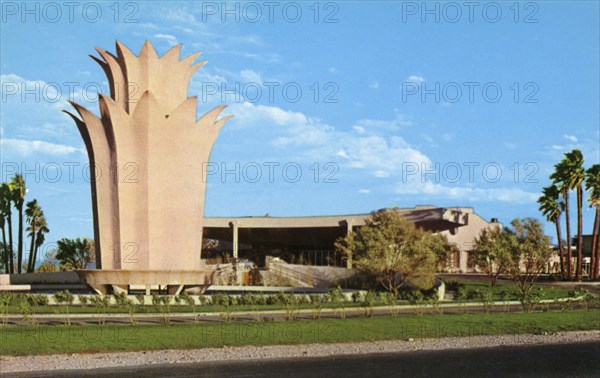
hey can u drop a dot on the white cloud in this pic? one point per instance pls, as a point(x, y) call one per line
point(378, 126)
point(171, 40)
point(29, 147)
point(35, 90)
point(251, 114)
point(364, 191)
point(374, 85)
point(571, 138)
point(261, 57)
point(379, 154)
point(179, 15)
point(415, 79)
point(510, 146)
point(512, 195)
point(557, 147)
point(342, 154)
point(251, 76)
point(373, 151)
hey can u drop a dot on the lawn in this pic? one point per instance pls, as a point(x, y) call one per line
point(28, 340)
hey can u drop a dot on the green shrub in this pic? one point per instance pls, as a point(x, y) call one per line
point(67, 298)
point(37, 299)
point(291, 306)
point(455, 286)
point(337, 297)
point(461, 294)
point(121, 299)
point(204, 300)
point(141, 298)
point(317, 301)
point(27, 312)
point(389, 299)
point(506, 294)
point(12, 299)
point(101, 302)
point(367, 303)
point(83, 299)
point(487, 299)
point(220, 299)
point(530, 299)
point(416, 299)
point(474, 294)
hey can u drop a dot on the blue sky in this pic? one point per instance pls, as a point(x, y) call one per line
point(399, 105)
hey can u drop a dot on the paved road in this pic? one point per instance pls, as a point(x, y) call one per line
point(566, 360)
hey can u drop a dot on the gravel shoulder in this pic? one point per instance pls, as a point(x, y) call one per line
point(9, 364)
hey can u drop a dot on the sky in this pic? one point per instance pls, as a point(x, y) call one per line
point(339, 107)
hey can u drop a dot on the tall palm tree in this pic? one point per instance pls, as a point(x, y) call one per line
point(18, 197)
point(3, 215)
point(560, 179)
point(4, 249)
point(6, 208)
point(592, 183)
point(552, 207)
point(33, 212)
point(40, 238)
point(576, 175)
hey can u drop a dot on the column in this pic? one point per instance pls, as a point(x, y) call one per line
point(234, 228)
point(348, 232)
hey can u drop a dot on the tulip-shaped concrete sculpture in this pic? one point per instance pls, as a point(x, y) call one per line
point(149, 154)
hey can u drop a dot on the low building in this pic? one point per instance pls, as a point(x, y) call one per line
point(310, 240)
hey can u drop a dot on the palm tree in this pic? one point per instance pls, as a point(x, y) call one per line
point(4, 249)
point(6, 209)
point(576, 174)
point(560, 179)
point(40, 238)
point(3, 214)
point(18, 197)
point(552, 207)
point(33, 212)
point(592, 182)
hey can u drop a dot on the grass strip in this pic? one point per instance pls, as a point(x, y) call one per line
point(31, 340)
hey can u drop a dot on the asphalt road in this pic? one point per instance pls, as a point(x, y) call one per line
point(566, 360)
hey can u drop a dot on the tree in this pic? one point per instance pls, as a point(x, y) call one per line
point(75, 253)
point(3, 260)
point(37, 229)
point(6, 212)
point(592, 183)
point(13, 193)
point(40, 238)
point(4, 247)
point(49, 263)
point(552, 207)
point(561, 178)
point(47, 267)
point(529, 251)
point(491, 253)
point(33, 213)
point(576, 178)
point(394, 251)
point(18, 198)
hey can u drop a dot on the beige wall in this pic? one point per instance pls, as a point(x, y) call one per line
point(464, 237)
